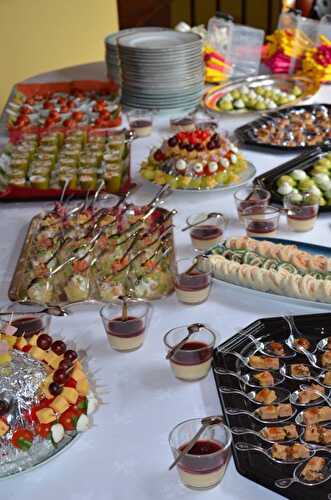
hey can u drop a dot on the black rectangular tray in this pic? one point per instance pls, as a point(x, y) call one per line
point(304, 161)
point(245, 136)
point(254, 465)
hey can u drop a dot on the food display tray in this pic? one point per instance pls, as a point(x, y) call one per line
point(245, 136)
point(254, 465)
point(304, 161)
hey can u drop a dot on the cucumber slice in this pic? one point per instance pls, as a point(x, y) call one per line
point(249, 257)
point(257, 261)
point(270, 264)
point(289, 267)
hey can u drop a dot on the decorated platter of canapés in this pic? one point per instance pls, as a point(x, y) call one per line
point(261, 93)
point(96, 253)
point(45, 396)
point(276, 269)
point(197, 160)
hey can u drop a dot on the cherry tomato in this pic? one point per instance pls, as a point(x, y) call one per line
point(69, 123)
point(22, 439)
point(31, 101)
point(78, 116)
point(158, 155)
point(43, 430)
point(27, 348)
point(81, 404)
point(54, 115)
point(22, 121)
point(65, 109)
point(69, 419)
point(105, 115)
point(48, 105)
point(71, 382)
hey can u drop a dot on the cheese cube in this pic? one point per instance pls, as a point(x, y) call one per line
point(53, 359)
point(4, 428)
point(59, 405)
point(37, 353)
point(21, 342)
point(83, 387)
point(70, 394)
point(10, 339)
point(78, 374)
point(33, 340)
point(46, 415)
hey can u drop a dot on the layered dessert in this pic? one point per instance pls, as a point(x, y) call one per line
point(301, 218)
point(192, 361)
point(204, 465)
point(142, 127)
point(261, 228)
point(192, 287)
point(126, 335)
point(205, 236)
point(184, 124)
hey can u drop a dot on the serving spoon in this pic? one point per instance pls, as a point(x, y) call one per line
point(194, 328)
point(205, 219)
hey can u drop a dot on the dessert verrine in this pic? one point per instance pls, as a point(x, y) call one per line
point(27, 319)
point(261, 221)
point(193, 359)
point(183, 124)
point(302, 211)
point(192, 285)
point(125, 325)
point(249, 196)
point(204, 465)
point(206, 231)
point(141, 122)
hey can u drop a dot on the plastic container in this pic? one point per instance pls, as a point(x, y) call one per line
point(220, 32)
point(245, 50)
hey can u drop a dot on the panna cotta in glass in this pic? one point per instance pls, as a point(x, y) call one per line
point(28, 319)
point(141, 122)
point(206, 231)
point(204, 465)
point(183, 124)
point(302, 211)
point(250, 196)
point(126, 332)
point(193, 359)
point(261, 222)
point(192, 285)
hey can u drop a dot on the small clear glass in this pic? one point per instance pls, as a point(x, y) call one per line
point(193, 360)
point(206, 231)
point(126, 334)
point(141, 122)
point(182, 124)
point(261, 222)
point(192, 285)
point(249, 196)
point(302, 211)
point(28, 319)
point(204, 466)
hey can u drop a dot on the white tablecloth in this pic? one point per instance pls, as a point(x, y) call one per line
point(125, 455)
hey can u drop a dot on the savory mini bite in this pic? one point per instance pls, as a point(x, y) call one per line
point(276, 348)
point(266, 379)
point(264, 362)
point(302, 342)
point(300, 370)
point(327, 378)
point(284, 410)
point(312, 471)
point(326, 359)
point(317, 434)
point(299, 450)
point(280, 433)
point(295, 451)
point(266, 396)
point(273, 412)
point(329, 343)
point(316, 415)
point(279, 451)
point(311, 393)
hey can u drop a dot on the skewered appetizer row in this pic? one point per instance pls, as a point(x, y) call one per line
point(64, 109)
point(269, 267)
point(316, 181)
point(100, 254)
point(46, 390)
point(296, 127)
point(78, 159)
point(201, 159)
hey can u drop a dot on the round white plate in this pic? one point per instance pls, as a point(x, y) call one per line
point(162, 40)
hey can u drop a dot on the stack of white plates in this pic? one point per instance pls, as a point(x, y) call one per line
point(112, 58)
point(161, 70)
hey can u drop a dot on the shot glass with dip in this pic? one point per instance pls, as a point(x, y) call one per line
point(249, 196)
point(126, 331)
point(193, 359)
point(141, 122)
point(302, 211)
point(206, 230)
point(204, 465)
point(192, 285)
point(261, 221)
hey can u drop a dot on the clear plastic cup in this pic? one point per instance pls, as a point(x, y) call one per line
point(248, 196)
point(261, 222)
point(192, 286)
point(206, 232)
point(302, 211)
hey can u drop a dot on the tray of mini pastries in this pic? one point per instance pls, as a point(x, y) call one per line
point(274, 381)
point(292, 129)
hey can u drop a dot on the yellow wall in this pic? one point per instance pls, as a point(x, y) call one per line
point(41, 35)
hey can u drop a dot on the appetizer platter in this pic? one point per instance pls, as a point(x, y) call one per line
point(45, 397)
point(272, 399)
point(277, 268)
point(297, 128)
point(96, 254)
point(42, 106)
point(40, 166)
point(307, 173)
point(197, 160)
point(259, 93)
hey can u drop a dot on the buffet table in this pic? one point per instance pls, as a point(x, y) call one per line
point(126, 453)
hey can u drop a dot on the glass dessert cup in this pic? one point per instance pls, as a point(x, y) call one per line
point(28, 319)
point(302, 211)
point(204, 466)
point(193, 360)
point(249, 196)
point(204, 121)
point(126, 334)
point(261, 221)
point(182, 124)
point(191, 287)
point(207, 232)
point(141, 122)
